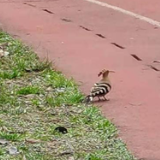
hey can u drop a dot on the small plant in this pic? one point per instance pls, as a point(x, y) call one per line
point(10, 74)
point(2, 151)
point(29, 90)
point(11, 136)
point(35, 102)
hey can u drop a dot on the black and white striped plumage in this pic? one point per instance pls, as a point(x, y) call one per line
point(101, 88)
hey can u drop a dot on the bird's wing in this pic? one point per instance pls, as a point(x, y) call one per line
point(100, 88)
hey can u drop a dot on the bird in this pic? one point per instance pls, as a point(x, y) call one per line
point(101, 88)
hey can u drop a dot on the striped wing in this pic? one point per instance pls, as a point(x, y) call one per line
point(100, 89)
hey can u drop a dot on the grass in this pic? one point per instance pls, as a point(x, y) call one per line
point(35, 99)
point(29, 90)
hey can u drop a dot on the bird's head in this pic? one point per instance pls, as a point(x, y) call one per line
point(105, 73)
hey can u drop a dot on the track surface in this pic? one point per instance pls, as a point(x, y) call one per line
point(78, 35)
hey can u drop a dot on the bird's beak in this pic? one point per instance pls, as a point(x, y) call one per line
point(112, 71)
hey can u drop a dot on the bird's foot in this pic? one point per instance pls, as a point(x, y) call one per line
point(105, 99)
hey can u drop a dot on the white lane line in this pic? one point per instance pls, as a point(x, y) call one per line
point(140, 17)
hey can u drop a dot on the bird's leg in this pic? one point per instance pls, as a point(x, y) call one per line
point(105, 99)
point(99, 98)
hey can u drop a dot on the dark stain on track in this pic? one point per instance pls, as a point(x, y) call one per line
point(84, 28)
point(117, 45)
point(31, 5)
point(136, 57)
point(48, 11)
point(154, 68)
point(100, 35)
point(66, 20)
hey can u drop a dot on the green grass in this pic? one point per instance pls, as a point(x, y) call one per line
point(35, 99)
point(29, 90)
point(11, 136)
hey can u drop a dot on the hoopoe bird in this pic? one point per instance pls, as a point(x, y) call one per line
point(101, 88)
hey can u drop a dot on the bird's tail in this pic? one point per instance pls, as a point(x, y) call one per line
point(88, 99)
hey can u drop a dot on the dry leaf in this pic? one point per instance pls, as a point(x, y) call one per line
point(32, 141)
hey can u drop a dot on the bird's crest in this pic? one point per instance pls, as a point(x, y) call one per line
point(104, 72)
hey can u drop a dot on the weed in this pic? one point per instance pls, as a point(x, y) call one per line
point(29, 90)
